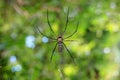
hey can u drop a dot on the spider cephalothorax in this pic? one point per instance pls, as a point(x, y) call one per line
point(60, 39)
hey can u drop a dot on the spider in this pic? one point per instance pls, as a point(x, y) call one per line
point(60, 39)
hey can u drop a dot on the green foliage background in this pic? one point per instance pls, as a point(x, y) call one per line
point(96, 45)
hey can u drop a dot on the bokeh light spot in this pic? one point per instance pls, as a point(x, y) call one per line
point(44, 39)
point(30, 41)
point(106, 50)
point(70, 70)
point(16, 68)
point(13, 59)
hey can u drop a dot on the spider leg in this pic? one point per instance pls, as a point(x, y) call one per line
point(36, 28)
point(70, 40)
point(73, 32)
point(49, 23)
point(53, 51)
point(68, 52)
point(66, 21)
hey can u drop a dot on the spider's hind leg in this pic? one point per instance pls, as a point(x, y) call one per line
point(69, 52)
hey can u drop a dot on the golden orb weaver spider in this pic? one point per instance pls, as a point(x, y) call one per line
point(59, 40)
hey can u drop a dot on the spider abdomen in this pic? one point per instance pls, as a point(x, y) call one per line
point(60, 46)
